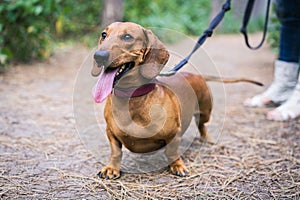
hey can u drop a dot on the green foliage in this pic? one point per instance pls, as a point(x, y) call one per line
point(29, 28)
point(190, 17)
point(231, 24)
point(25, 29)
point(78, 17)
point(273, 30)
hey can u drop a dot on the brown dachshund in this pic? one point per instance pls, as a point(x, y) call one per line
point(142, 112)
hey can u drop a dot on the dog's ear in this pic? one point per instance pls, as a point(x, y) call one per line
point(155, 56)
point(96, 70)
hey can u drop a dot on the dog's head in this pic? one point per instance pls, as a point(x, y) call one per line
point(128, 55)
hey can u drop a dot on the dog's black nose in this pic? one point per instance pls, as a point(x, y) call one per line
point(101, 57)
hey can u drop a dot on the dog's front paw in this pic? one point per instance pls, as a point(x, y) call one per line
point(109, 173)
point(178, 168)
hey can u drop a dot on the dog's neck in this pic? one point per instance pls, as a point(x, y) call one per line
point(134, 92)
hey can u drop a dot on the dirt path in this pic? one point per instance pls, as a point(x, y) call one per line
point(43, 157)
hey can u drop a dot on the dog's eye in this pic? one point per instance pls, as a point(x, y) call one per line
point(127, 37)
point(103, 35)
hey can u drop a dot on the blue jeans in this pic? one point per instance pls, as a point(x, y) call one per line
point(288, 13)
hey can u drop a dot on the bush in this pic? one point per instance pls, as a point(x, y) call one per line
point(25, 29)
point(29, 28)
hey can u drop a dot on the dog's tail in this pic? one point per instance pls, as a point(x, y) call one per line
point(230, 80)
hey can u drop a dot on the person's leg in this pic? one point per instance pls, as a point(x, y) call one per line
point(287, 65)
point(285, 79)
point(290, 109)
point(289, 16)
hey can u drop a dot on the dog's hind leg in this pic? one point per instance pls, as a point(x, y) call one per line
point(201, 119)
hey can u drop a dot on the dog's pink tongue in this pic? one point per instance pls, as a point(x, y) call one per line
point(104, 85)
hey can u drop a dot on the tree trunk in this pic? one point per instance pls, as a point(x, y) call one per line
point(112, 12)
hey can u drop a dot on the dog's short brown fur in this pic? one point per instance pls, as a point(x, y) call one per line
point(159, 118)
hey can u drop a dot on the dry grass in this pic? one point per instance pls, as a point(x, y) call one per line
point(41, 156)
point(259, 164)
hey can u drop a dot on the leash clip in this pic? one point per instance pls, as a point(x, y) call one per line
point(168, 73)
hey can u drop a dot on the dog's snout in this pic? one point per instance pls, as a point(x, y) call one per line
point(101, 57)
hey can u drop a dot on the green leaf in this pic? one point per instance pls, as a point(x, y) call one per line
point(38, 10)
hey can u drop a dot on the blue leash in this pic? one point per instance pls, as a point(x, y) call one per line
point(213, 24)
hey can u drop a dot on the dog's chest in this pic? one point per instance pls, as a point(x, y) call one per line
point(141, 126)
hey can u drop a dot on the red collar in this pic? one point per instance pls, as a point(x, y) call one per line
point(134, 92)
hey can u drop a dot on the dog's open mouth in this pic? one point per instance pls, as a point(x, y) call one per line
point(122, 71)
point(107, 80)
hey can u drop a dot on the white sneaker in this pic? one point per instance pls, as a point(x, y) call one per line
point(290, 109)
point(282, 87)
